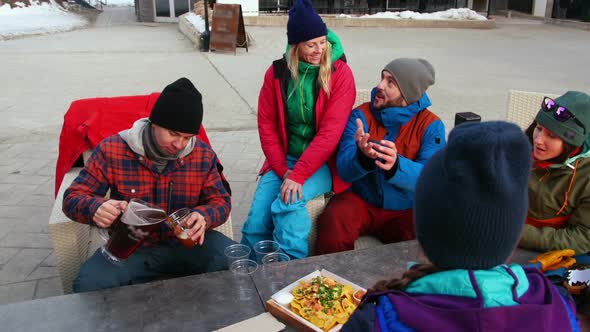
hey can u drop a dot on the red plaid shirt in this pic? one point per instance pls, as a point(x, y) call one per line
point(194, 179)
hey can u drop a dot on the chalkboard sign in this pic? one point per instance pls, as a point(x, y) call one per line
point(227, 30)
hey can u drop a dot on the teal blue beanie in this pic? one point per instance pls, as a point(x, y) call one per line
point(472, 196)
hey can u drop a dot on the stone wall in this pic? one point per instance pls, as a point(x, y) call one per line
point(189, 30)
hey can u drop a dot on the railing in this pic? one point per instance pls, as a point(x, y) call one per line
point(364, 6)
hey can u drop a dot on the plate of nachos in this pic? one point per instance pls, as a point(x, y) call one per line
point(322, 301)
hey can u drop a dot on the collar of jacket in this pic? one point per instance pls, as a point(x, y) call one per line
point(568, 163)
point(283, 75)
point(398, 116)
point(281, 69)
point(497, 285)
point(134, 138)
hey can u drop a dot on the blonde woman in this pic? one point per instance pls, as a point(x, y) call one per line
point(303, 107)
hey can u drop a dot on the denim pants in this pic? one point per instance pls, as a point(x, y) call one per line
point(165, 260)
point(288, 224)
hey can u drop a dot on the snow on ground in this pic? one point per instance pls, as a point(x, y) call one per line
point(35, 19)
point(449, 14)
point(120, 3)
point(196, 20)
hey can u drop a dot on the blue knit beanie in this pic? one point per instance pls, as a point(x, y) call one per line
point(304, 23)
point(472, 196)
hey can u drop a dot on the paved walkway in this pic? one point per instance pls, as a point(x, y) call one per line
point(117, 56)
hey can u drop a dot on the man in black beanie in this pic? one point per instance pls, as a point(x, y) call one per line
point(161, 161)
point(382, 151)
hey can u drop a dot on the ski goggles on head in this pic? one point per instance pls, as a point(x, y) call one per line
point(560, 113)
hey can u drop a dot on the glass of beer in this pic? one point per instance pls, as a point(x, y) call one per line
point(176, 222)
point(131, 229)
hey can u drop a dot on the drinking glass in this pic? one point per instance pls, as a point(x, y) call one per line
point(274, 269)
point(264, 248)
point(176, 222)
point(236, 252)
point(242, 270)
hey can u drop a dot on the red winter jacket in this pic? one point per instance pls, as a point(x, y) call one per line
point(331, 116)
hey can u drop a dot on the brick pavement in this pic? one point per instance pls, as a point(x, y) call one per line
point(241, 156)
point(27, 266)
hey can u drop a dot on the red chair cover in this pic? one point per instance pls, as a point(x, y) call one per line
point(89, 121)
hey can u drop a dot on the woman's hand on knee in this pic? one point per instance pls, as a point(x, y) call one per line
point(291, 191)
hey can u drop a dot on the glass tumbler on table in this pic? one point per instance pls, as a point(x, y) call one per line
point(176, 222)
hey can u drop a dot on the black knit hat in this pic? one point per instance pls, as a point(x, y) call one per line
point(472, 196)
point(179, 107)
point(578, 103)
point(304, 23)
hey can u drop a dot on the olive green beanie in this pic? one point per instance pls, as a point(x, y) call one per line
point(578, 103)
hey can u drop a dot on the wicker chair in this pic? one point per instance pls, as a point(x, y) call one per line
point(524, 105)
point(316, 205)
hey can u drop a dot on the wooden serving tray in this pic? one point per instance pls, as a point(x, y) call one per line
point(286, 316)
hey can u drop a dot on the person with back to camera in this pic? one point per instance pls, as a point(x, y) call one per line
point(559, 186)
point(303, 107)
point(470, 207)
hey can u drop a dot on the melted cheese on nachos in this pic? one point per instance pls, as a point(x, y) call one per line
point(323, 302)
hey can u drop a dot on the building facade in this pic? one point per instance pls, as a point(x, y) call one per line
point(170, 10)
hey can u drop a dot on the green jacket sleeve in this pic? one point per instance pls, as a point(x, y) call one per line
point(575, 235)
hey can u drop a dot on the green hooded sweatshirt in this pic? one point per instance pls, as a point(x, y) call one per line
point(301, 100)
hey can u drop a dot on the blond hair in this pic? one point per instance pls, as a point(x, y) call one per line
point(325, 66)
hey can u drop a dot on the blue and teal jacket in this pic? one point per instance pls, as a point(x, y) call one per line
point(504, 298)
point(392, 190)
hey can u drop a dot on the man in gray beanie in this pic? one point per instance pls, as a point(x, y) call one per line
point(384, 146)
point(161, 161)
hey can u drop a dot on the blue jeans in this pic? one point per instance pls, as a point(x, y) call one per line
point(288, 224)
point(165, 260)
